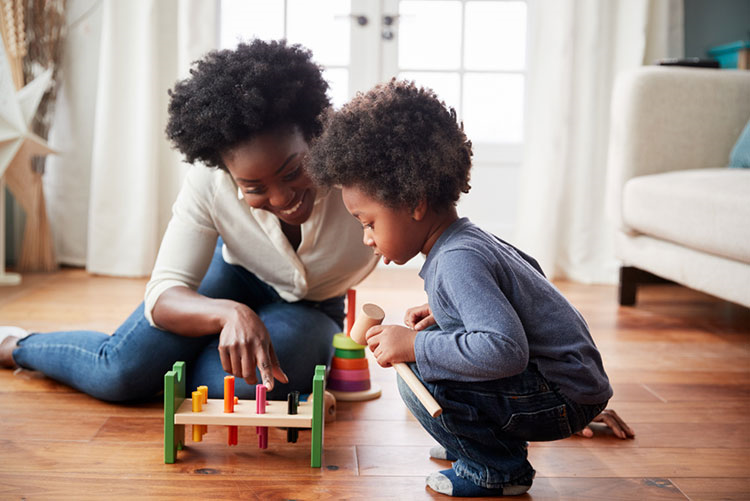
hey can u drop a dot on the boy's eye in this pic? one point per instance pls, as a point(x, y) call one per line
point(368, 226)
point(255, 191)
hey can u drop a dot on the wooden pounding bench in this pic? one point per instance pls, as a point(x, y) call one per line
point(201, 411)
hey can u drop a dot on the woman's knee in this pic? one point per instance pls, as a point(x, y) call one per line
point(125, 382)
point(301, 335)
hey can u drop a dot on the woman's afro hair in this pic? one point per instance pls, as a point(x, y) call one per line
point(232, 96)
point(398, 144)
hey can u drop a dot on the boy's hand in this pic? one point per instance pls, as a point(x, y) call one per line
point(612, 421)
point(419, 317)
point(391, 344)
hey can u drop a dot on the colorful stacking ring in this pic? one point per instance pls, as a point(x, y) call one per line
point(339, 385)
point(350, 353)
point(344, 342)
point(350, 375)
point(349, 364)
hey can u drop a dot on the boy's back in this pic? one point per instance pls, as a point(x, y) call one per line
point(496, 313)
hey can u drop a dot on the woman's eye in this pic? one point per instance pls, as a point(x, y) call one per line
point(254, 191)
point(293, 175)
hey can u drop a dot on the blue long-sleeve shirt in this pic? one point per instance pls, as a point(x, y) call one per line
point(496, 312)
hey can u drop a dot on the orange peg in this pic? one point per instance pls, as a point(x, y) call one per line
point(197, 407)
point(228, 394)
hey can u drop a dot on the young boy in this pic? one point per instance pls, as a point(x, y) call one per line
point(502, 351)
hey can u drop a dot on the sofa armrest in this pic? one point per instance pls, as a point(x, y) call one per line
point(666, 118)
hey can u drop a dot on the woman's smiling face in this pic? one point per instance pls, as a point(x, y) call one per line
point(270, 173)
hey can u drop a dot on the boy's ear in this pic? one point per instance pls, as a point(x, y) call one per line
point(419, 211)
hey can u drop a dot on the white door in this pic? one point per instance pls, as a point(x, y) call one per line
point(470, 52)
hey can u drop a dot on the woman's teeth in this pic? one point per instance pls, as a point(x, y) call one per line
point(293, 209)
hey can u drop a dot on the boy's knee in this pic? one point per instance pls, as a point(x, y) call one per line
point(407, 395)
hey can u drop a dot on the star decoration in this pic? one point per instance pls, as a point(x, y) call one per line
point(18, 144)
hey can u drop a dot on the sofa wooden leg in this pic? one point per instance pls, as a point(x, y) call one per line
point(628, 285)
point(630, 278)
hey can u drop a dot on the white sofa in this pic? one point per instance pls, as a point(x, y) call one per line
point(682, 215)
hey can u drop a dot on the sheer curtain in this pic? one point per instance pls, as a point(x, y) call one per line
point(110, 192)
point(576, 49)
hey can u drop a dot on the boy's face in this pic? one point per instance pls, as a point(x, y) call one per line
point(395, 234)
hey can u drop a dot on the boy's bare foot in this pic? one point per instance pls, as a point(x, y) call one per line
point(9, 337)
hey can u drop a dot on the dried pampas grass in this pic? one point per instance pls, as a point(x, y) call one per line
point(33, 32)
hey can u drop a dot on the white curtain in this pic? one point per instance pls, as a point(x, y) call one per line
point(576, 49)
point(110, 192)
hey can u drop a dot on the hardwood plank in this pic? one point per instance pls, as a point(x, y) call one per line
point(639, 462)
point(659, 435)
point(147, 460)
point(597, 489)
point(656, 375)
point(54, 405)
point(701, 412)
point(207, 486)
point(409, 433)
point(632, 392)
point(593, 462)
point(392, 461)
point(670, 392)
point(30, 381)
point(33, 426)
point(715, 489)
point(676, 356)
point(202, 486)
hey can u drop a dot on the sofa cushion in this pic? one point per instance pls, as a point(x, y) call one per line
point(704, 209)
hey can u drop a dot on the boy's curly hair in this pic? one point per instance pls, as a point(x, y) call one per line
point(234, 95)
point(399, 144)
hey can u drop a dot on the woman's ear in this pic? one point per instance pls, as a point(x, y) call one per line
point(419, 211)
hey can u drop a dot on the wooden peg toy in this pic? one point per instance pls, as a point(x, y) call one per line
point(292, 401)
point(232, 431)
point(260, 402)
point(197, 402)
point(178, 412)
point(351, 301)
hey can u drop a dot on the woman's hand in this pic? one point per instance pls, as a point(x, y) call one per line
point(244, 344)
point(391, 344)
point(612, 421)
point(419, 317)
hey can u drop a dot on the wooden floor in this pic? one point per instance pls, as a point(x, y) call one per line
point(679, 363)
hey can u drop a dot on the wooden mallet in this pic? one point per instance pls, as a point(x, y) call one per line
point(373, 315)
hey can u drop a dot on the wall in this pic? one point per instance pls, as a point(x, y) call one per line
point(714, 22)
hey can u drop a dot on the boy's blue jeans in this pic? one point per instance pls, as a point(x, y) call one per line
point(487, 424)
point(130, 364)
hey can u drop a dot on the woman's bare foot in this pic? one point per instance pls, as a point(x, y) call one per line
point(7, 346)
point(9, 337)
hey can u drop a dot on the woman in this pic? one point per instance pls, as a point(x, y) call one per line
point(251, 273)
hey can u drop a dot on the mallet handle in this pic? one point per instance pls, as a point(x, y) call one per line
point(424, 396)
point(373, 315)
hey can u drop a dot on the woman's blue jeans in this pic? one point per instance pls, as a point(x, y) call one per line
point(130, 364)
point(486, 425)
